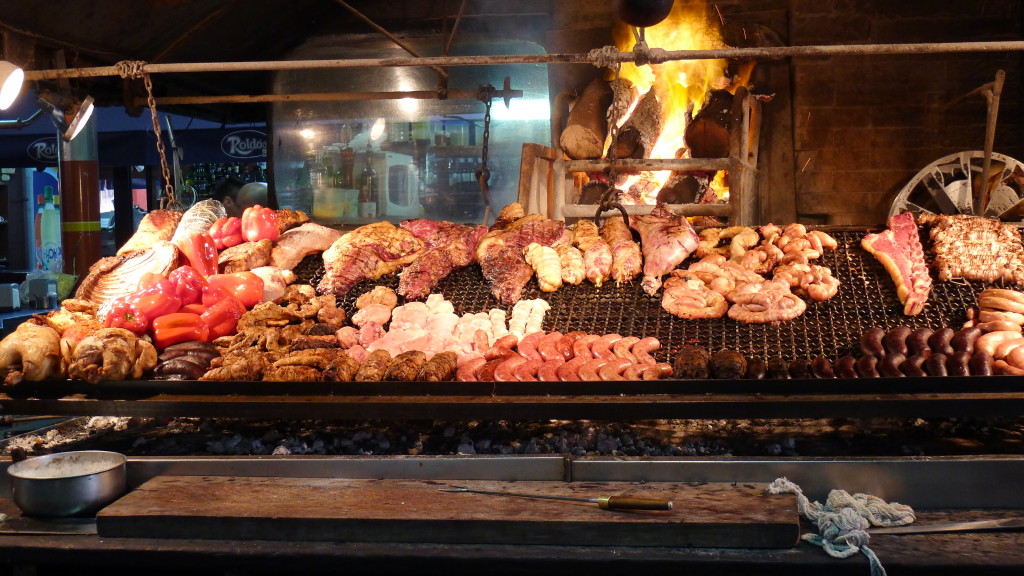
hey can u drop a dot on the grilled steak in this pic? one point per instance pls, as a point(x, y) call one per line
point(899, 249)
point(449, 247)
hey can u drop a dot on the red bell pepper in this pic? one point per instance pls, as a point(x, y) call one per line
point(245, 286)
point(194, 308)
point(154, 296)
point(200, 252)
point(188, 284)
point(222, 317)
point(259, 223)
point(179, 327)
point(226, 232)
point(123, 314)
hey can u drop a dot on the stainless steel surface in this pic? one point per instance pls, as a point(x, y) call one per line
point(48, 526)
point(68, 483)
point(975, 526)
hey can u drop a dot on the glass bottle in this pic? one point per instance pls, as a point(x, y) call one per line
point(368, 186)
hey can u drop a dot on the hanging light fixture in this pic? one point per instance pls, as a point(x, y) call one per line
point(68, 130)
point(11, 78)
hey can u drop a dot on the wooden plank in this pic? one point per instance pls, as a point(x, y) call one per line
point(717, 515)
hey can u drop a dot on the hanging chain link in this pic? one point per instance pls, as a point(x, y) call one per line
point(483, 173)
point(608, 199)
point(168, 200)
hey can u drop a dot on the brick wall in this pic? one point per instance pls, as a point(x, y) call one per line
point(865, 125)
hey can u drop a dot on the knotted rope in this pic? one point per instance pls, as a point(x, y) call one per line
point(135, 69)
point(843, 519)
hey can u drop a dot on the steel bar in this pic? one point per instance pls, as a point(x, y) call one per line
point(327, 97)
point(398, 41)
point(578, 58)
point(637, 407)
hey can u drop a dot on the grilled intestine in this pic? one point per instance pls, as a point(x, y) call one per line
point(597, 254)
point(546, 264)
point(627, 261)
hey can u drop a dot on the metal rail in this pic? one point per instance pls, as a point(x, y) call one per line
point(653, 56)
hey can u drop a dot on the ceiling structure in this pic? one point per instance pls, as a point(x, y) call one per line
point(54, 35)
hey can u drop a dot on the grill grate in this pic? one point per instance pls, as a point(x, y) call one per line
point(866, 298)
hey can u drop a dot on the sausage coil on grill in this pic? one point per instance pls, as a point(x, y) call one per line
point(821, 367)
point(958, 364)
point(917, 341)
point(871, 342)
point(935, 365)
point(913, 366)
point(889, 365)
point(895, 340)
point(867, 367)
point(939, 341)
point(844, 367)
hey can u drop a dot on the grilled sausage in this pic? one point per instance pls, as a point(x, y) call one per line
point(844, 367)
point(959, 364)
point(913, 366)
point(528, 346)
point(895, 340)
point(917, 341)
point(548, 372)
point(867, 366)
point(613, 369)
point(642, 349)
point(565, 343)
point(1002, 367)
point(935, 365)
point(871, 342)
point(963, 340)
point(602, 347)
point(939, 341)
point(589, 369)
point(990, 342)
point(581, 348)
point(636, 371)
point(658, 371)
point(889, 365)
point(180, 368)
point(486, 373)
point(621, 349)
point(505, 372)
point(548, 347)
point(570, 371)
point(980, 363)
point(468, 371)
point(1004, 349)
point(527, 371)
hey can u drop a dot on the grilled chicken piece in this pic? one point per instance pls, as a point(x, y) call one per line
point(288, 219)
point(275, 281)
point(667, 240)
point(295, 244)
point(367, 253)
point(31, 352)
point(245, 256)
point(111, 354)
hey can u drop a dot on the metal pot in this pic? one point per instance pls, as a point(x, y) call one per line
point(68, 483)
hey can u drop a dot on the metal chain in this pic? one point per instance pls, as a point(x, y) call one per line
point(483, 173)
point(168, 200)
point(607, 201)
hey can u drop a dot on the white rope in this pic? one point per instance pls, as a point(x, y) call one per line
point(843, 520)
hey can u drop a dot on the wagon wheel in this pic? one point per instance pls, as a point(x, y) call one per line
point(946, 187)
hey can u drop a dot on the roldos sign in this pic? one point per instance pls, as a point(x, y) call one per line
point(44, 151)
point(244, 144)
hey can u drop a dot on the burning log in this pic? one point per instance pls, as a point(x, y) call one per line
point(625, 94)
point(707, 135)
point(639, 134)
point(587, 127)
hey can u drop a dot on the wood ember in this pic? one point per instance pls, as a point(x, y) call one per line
point(707, 135)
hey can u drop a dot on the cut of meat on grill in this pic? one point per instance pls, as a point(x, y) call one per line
point(899, 249)
point(975, 248)
point(245, 256)
point(667, 239)
point(627, 262)
point(500, 253)
point(297, 243)
point(449, 246)
point(367, 253)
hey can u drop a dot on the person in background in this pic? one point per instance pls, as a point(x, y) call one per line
point(252, 194)
point(227, 193)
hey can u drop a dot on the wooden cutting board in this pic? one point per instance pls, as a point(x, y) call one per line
point(338, 509)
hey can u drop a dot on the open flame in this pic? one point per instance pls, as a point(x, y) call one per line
point(681, 85)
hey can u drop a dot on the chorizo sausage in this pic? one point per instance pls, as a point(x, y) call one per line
point(589, 369)
point(621, 349)
point(602, 347)
point(528, 346)
point(548, 372)
point(581, 348)
point(570, 371)
point(642, 349)
point(548, 346)
point(658, 371)
point(613, 369)
point(988, 343)
point(467, 372)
